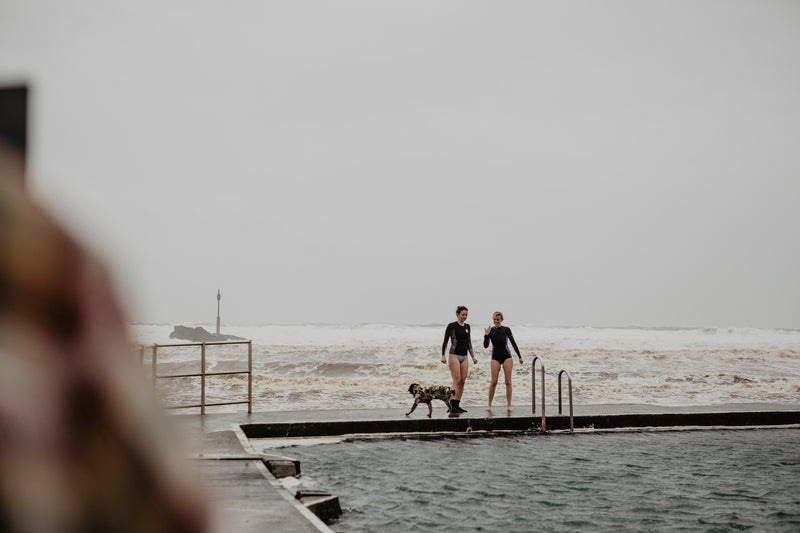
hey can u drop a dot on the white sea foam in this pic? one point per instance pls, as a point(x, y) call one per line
point(543, 337)
point(354, 366)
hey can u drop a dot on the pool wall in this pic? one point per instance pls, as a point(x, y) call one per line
point(329, 428)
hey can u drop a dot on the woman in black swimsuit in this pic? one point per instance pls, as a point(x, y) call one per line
point(500, 336)
point(458, 335)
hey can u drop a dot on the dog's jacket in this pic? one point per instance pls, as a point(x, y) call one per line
point(435, 392)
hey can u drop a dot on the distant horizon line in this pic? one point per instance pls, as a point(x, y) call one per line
point(442, 324)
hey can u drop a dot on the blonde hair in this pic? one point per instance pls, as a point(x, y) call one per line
point(498, 313)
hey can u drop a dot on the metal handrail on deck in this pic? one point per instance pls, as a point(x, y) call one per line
point(569, 382)
point(533, 387)
point(202, 375)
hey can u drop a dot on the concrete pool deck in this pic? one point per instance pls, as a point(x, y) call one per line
point(248, 497)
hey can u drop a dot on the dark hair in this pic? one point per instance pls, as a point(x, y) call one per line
point(461, 308)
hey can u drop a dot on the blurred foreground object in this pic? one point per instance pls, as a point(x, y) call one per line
point(82, 446)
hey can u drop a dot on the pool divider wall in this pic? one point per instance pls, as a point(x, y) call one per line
point(323, 504)
point(465, 425)
point(280, 466)
point(333, 428)
point(730, 419)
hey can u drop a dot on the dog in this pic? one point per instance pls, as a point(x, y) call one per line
point(428, 394)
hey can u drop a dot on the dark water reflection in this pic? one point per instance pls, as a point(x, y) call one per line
point(647, 481)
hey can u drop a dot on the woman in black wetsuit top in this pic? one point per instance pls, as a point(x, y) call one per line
point(458, 335)
point(500, 336)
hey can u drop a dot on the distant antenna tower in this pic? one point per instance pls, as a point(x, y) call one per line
point(219, 297)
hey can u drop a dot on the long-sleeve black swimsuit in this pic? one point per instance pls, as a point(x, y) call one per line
point(459, 338)
point(500, 338)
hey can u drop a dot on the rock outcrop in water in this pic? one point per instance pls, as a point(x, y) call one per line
point(199, 334)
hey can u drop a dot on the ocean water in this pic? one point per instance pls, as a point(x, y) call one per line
point(313, 366)
point(713, 481)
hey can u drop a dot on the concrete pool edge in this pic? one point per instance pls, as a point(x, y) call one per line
point(245, 484)
point(332, 428)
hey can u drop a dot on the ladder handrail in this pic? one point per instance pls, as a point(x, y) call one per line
point(569, 382)
point(533, 387)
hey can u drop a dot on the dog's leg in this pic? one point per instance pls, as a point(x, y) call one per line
point(447, 403)
point(416, 403)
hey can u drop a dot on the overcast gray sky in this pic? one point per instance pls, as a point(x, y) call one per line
point(570, 163)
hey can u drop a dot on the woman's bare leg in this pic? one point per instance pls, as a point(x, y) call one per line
point(508, 365)
point(456, 371)
point(493, 383)
point(464, 373)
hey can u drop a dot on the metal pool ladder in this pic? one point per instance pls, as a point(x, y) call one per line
point(569, 382)
point(533, 388)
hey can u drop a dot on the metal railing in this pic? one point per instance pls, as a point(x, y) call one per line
point(569, 382)
point(203, 374)
point(533, 387)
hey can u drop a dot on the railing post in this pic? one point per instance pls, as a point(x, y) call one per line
point(203, 379)
point(569, 382)
point(154, 364)
point(533, 388)
point(533, 384)
point(250, 376)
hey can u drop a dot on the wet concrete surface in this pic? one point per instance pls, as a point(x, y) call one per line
point(248, 498)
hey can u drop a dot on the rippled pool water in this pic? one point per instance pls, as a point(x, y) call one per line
point(624, 481)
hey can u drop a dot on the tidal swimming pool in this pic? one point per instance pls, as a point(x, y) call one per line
point(722, 480)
